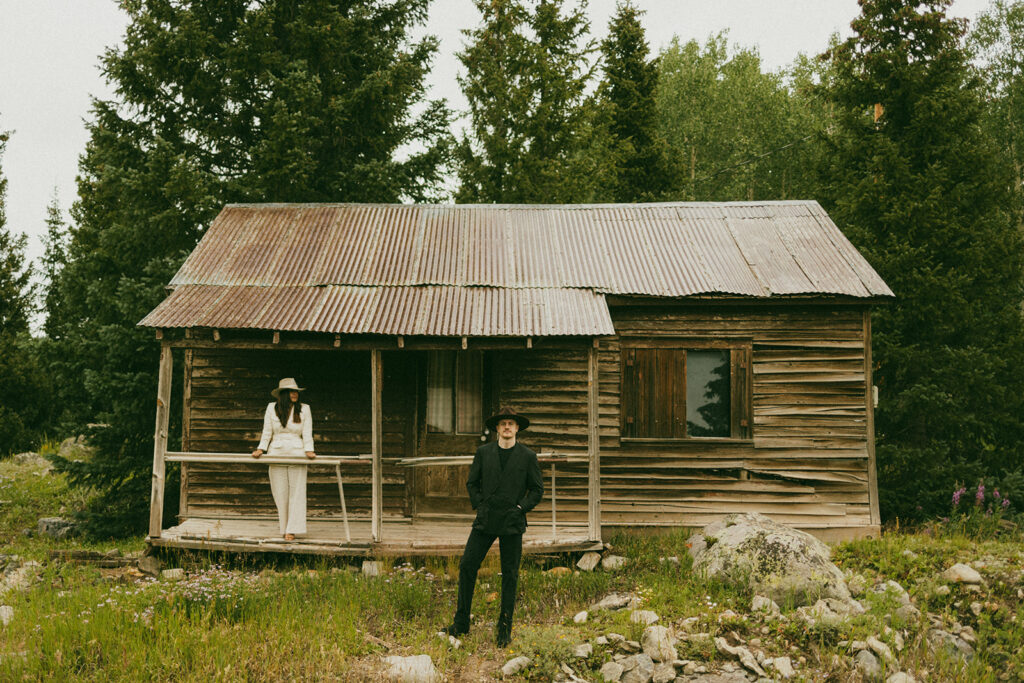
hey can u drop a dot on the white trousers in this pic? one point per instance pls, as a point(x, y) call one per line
point(288, 484)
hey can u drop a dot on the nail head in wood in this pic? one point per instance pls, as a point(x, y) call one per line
point(216, 335)
point(337, 340)
point(277, 337)
point(401, 342)
point(465, 342)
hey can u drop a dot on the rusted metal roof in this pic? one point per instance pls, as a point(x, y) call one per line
point(499, 270)
point(419, 310)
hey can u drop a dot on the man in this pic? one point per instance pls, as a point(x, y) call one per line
point(504, 484)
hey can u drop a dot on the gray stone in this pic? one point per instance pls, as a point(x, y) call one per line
point(588, 562)
point(672, 560)
point(372, 568)
point(909, 553)
point(741, 653)
point(612, 671)
point(939, 640)
point(942, 590)
point(881, 649)
point(149, 565)
point(784, 667)
point(176, 574)
point(6, 614)
point(601, 640)
point(900, 677)
point(613, 601)
point(894, 589)
point(763, 604)
point(581, 617)
point(857, 585)
point(907, 613)
point(74, 448)
point(961, 573)
point(638, 669)
point(643, 616)
point(776, 561)
point(613, 563)
point(659, 644)
point(663, 673)
point(829, 611)
point(18, 576)
point(630, 646)
point(868, 666)
point(56, 527)
point(976, 608)
point(33, 460)
point(583, 651)
point(514, 666)
point(415, 669)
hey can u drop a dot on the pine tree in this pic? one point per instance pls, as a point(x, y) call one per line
point(535, 133)
point(22, 404)
point(220, 102)
point(55, 255)
point(922, 191)
point(643, 172)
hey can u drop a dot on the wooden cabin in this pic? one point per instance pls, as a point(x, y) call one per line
point(678, 362)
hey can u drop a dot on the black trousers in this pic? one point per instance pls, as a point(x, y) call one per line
point(479, 543)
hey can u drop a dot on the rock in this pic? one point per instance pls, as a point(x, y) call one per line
point(173, 574)
point(588, 562)
point(967, 635)
point(976, 608)
point(372, 568)
point(613, 563)
point(909, 553)
point(613, 601)
point(950, 644)
point(900, 677)
point(961, 573)
point(868, 666)
point(638, 669)
point(672, 560)
point(643, 616)
point(149, 565)
point(6, 614)
point(583, 651)
point(880, 649)
point(763, 604)
point(690, 623)
point(415, 669)
point(612, 671)
point(659, 644)
point(601, 640)
point(784, 667)
point(892, 588)
point(776, 561)
point(630, 646)
point(581, 617)
point(829, 611)
point(942, 590)
point(907, 613)
point(663, 673)
point(56, 527)
point(559, 571)
point(34, 460)
point(514, 666)
point(857, 585)
point(74, 448)
point(741, 653)
point(616, 638)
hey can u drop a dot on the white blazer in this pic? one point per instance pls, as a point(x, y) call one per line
point(291, 440)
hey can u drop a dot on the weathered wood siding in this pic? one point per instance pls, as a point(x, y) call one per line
point(227, 393)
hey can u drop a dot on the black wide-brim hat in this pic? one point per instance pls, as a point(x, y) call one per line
point(506, 413)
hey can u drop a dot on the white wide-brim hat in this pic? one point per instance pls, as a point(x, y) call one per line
point(286, 384)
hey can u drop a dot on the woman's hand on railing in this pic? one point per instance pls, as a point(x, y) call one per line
point(257, 453)
point(310, 454)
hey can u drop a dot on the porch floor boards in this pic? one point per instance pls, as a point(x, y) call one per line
point(400, 537)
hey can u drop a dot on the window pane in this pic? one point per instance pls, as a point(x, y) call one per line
point(469, 392)
point(707, 393)
point(440, 376)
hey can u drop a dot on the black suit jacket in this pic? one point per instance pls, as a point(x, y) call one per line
point(495, 492)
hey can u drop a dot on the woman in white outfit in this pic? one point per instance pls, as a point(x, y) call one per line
point(288, 432)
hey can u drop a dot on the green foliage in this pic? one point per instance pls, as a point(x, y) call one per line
point(739, 133)
point(535, 135)
point(644, 171)
point(926, 197)
point(218, 103)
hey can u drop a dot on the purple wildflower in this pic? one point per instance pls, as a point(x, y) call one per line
point(1006, 503)
point(979, 497)
point(995, 493)
point(958, 494)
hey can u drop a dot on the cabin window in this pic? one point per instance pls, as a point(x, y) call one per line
point(455, 392)
point(691, 391)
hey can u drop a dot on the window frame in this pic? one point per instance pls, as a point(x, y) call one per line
point(741, 377)
point(460, 357)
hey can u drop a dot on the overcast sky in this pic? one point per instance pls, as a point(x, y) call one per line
point(49, 68)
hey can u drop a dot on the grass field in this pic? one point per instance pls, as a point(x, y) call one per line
point(243, 618)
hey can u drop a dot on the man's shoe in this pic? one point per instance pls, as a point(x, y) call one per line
point(453, 630)
point(504, 635)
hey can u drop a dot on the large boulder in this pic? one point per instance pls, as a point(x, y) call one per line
point(776, 561)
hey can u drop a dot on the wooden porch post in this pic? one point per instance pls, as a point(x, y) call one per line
point(163, 400)
point(593, 446)
point(876, 517)
point(376, 445)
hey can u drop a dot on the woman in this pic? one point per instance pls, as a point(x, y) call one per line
point(288, 432)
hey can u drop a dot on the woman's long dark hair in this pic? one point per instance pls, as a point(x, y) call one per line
point(284, 404)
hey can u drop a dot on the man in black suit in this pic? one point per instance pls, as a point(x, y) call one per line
point(504, 484)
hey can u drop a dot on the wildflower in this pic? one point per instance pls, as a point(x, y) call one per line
point(995, 493)
point(958, 494)
point(979, 497)
point(1006, 503)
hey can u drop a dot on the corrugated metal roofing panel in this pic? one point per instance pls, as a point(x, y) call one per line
point(421, 310)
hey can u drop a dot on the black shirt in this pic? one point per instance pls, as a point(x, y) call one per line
point(503, 455)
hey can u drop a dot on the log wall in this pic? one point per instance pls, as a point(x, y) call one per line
point(806, 464)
